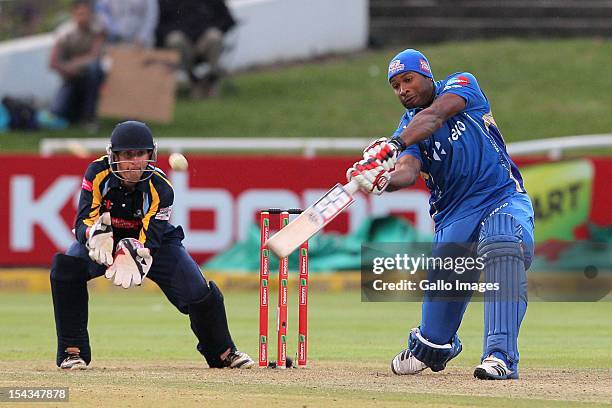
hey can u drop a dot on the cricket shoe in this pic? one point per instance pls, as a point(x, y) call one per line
point(238, 359)
point(493, 368)
point(74, 361)
point(406, 364)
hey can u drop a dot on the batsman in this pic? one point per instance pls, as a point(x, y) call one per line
point(122, 232)
point(448, 135)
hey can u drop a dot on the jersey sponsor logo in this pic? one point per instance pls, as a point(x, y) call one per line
point(424, 66)
point(87, 185)
point(438, 151)
point(395, 66)
point(463, 81)
point(447, 87)
point(122, 223)
point(457, 130)
point(163, 214)
point(458, 81)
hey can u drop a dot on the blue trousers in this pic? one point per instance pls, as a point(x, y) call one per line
point(441, 318)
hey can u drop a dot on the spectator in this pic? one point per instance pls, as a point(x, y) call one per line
point(129, 21)
point(196, 29)
point(76, 57)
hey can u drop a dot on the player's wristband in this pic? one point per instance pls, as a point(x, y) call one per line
point(398, 144)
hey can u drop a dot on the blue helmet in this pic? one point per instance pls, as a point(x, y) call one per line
point(132, 135)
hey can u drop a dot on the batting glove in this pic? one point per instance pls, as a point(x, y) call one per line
point(100, 241)
point(385, 151)
point(131, 264)
point(370, 175)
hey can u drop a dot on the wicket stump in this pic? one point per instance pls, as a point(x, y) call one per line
point(283, 287)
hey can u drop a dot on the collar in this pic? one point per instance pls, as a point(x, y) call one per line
point(411, 112)
point(438, 88)
point(141, 186)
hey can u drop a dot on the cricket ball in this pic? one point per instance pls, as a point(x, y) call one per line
point(178, 162)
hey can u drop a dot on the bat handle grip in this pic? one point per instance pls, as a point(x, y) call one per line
point(351, 187)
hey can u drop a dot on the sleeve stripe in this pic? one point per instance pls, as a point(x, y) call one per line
point(162, 176)
point(97, 197)
point(87, 185)
point(152, 211)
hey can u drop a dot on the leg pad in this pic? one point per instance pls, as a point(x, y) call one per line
point(500, 244)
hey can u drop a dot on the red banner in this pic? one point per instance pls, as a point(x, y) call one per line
point(215, 200)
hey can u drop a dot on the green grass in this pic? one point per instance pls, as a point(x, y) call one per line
point(537, 89)
point(144, 353)
point(341, 327)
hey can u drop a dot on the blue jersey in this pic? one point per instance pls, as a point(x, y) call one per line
point(464, 163)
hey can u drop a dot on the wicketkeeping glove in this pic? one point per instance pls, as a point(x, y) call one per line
point(131, 264)
point(100, 241)
point(371, 176)
point(385, 151)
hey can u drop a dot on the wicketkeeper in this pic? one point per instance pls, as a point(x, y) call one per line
point(122, 232)
point(478, 203)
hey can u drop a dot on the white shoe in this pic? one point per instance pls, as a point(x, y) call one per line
point(238, 359)
point(493, 368)
point(74, 361)
point(406, 364)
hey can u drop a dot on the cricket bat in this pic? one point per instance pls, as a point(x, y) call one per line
point(313, 219)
